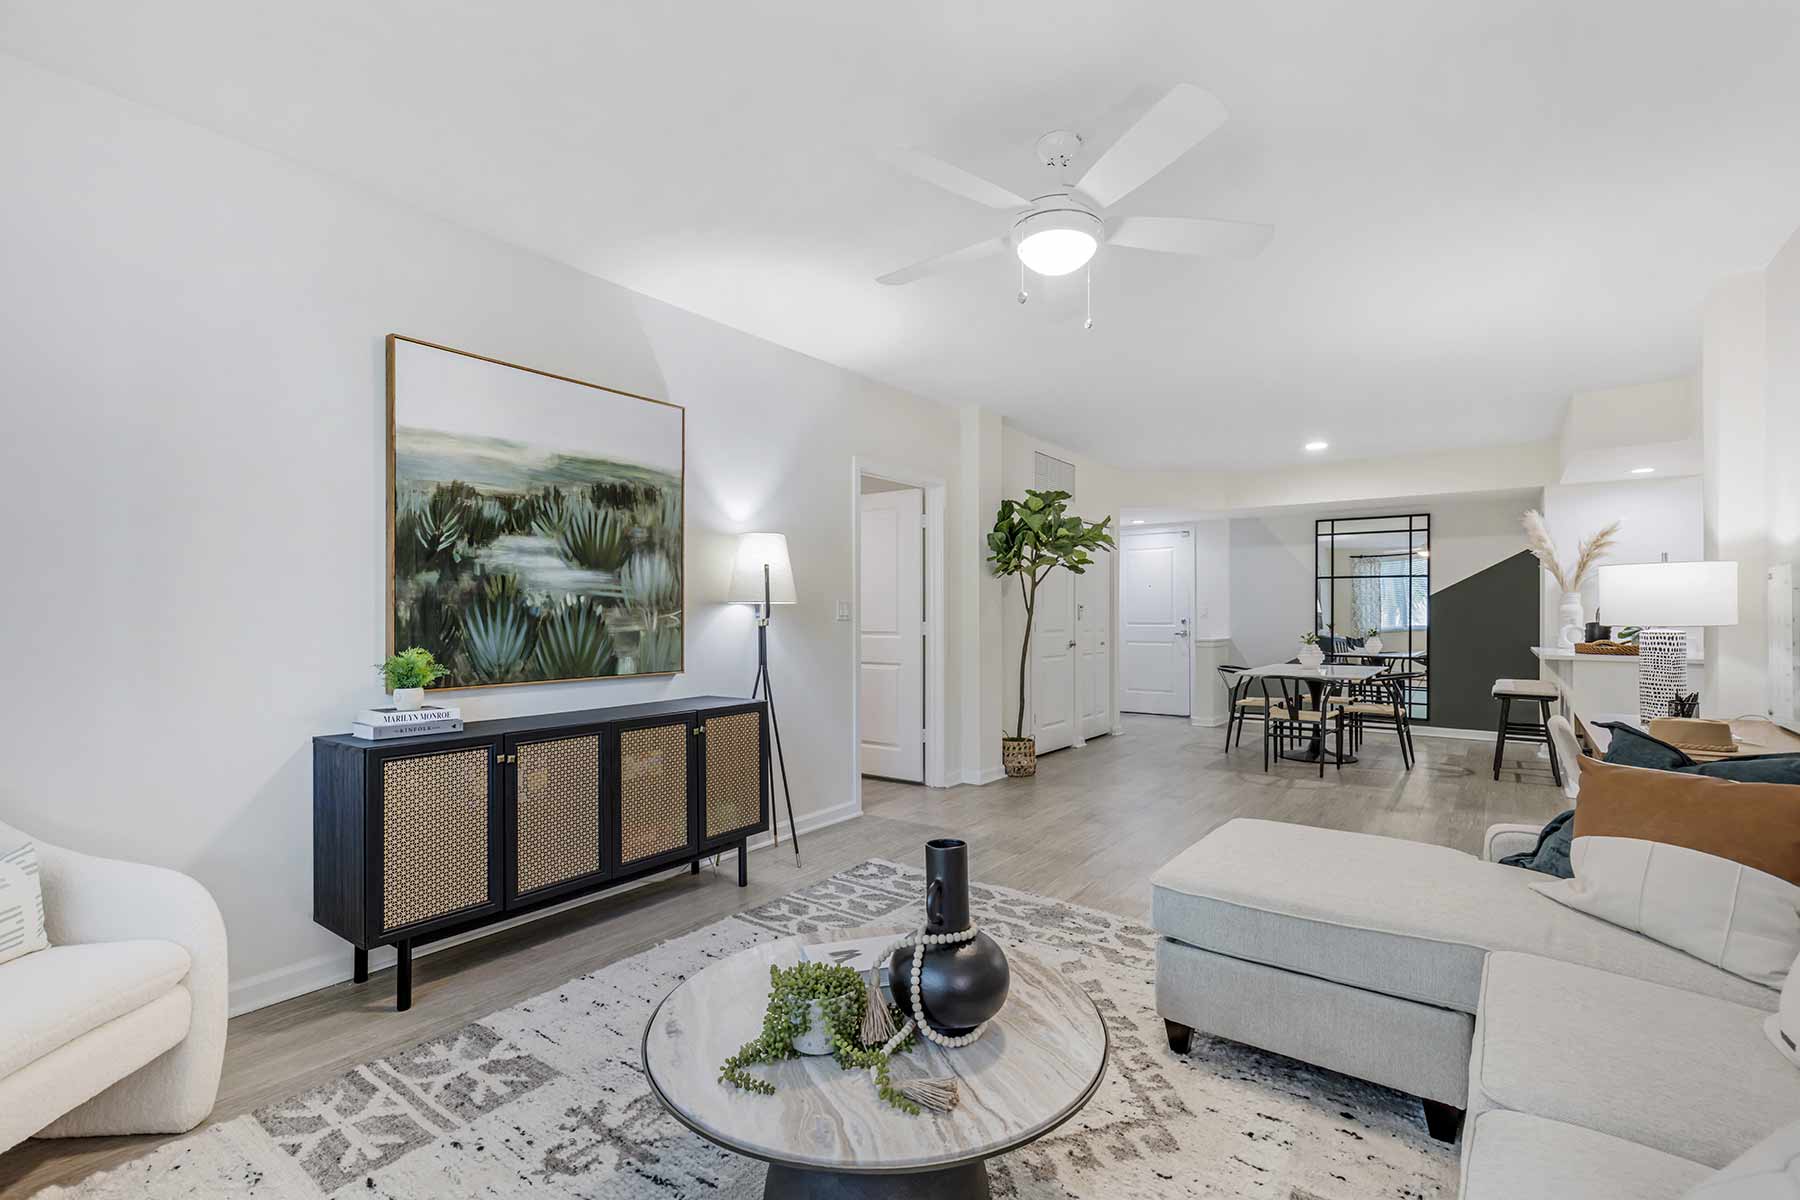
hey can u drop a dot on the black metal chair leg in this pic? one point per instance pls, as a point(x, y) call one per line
point(403, 976)
point(1500, 737)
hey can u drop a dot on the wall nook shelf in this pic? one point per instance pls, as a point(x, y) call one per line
point(417, 839)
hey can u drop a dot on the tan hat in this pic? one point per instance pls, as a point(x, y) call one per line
point(1701, 739)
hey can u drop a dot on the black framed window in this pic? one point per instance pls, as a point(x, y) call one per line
point(1374, 574)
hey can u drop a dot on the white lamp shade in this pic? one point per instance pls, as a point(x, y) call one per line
point(754, 550)
point(1682, 593)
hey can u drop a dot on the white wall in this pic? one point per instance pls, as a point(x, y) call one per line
point(192, 332)
point(1657, 517)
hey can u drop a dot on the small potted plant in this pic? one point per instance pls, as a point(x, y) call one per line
point(1031, 538)
point(409, 673)
point(1310, 654)
point(1371, 640)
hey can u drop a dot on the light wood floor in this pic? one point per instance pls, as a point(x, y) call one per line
point(1090, 828)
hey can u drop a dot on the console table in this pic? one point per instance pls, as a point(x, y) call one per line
point(416, 839)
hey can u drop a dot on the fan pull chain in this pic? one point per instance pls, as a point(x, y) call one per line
point(1087, 277)
point(1023, 295)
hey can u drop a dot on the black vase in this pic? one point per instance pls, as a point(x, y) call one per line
point(961, 985)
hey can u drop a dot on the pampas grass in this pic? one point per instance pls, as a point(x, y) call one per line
point(1587, 555)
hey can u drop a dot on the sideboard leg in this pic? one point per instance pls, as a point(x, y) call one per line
point(694, 867)
point(359, 970)
point(744, 864)
point(403, 976)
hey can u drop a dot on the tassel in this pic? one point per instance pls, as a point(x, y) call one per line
point(877, 1022)
point(939, 1095)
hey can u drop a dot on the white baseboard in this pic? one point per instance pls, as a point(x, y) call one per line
point(1466, 735)
point(983, 776)
point(1206, 722)
point(309, 975)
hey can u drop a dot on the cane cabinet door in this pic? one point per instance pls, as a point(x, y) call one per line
point(436, 819)
point(554, 843)
point(654, 819)
point(733, 787)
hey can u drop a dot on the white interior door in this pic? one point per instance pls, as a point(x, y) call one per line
point(891, 679)
point(1156, 622)
point(1053, 645)
point(1093, 669)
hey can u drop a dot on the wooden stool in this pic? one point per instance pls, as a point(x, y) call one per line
point(1544, 693)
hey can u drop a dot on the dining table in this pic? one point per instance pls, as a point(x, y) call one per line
point(1317, 680)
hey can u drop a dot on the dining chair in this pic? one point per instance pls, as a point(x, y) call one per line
point(1242, 704)
point(1382, 704)
point(1291, 718)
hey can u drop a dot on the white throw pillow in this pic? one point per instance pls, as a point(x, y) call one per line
point(21, 903)
point(1769, 1170)
point(1705, 865)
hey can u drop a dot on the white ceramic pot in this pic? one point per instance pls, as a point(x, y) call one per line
point(816, 1039)
point(1372, 646)
point(1310, 656)
point(1571, 621)
point(408, 699)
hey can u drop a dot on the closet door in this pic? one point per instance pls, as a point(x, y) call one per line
point(655, 818)
point(556, 786)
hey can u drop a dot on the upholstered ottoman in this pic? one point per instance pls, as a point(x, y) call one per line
point(1365, 954)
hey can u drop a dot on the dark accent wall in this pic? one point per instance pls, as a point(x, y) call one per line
point(1482, 629)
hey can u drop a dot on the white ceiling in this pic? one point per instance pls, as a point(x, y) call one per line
point(1481, 205)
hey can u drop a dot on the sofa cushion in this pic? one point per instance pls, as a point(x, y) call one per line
point(1769, 1170)
point(1403, 918)
point(21, 902)
point(1688, 1074)
point(50, 998)
point(1511, 1156)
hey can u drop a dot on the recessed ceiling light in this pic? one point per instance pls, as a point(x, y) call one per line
point(1315, 447)
point(1642, 470)
point(1137, 520)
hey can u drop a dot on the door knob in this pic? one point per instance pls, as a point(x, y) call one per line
point(1071, 645)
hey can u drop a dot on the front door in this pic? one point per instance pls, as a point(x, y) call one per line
point(1157, 622)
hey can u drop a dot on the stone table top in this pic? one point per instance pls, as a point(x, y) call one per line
point(1038, 1062)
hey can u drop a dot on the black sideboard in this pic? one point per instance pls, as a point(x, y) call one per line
point(416, 839)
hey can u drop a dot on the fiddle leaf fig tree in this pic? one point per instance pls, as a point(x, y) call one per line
point(1031, 538)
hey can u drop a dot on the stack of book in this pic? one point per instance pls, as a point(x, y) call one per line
point(380, 724)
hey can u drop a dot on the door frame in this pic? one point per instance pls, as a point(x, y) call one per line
point(935, 507)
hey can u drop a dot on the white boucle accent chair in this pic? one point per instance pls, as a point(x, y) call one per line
point(119, 1027)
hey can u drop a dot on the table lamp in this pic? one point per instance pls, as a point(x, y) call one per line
point(1664, 598)
point(762, 575)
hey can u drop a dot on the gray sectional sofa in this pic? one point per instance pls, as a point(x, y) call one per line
point(1591, 1061)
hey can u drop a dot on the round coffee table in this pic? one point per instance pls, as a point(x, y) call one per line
point(826, 1133)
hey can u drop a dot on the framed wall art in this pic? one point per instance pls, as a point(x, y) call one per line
point(535, 522)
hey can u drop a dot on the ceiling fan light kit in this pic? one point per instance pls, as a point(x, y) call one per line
point(1060, 231)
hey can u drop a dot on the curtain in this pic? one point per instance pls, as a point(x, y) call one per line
point(1365, 596)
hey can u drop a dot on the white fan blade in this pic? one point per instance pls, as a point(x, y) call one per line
point(1174, 125)
point(932, 266)
point(954, 179)
point(1192, 235)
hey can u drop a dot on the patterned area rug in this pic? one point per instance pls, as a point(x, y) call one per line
point(546, 1099)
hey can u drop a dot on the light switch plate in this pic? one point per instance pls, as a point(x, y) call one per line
point(843, 613)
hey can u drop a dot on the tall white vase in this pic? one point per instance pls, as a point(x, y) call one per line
point(1571, 621)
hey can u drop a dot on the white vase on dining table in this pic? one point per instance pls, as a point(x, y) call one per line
point(1310, 655)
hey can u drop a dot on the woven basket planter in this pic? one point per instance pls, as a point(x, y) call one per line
point(1019, 756)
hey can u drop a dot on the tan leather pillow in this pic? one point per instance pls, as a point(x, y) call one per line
point(1709, 866)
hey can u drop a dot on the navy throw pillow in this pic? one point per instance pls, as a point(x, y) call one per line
point(1551, 854)
point(1634, 748)
point(1752, 768)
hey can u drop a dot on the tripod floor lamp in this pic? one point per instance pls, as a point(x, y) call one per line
point(763, 576)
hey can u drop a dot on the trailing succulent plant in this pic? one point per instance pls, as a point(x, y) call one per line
point(842, 995)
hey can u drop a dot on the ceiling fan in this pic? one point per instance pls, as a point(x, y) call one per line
point(1057, 232)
